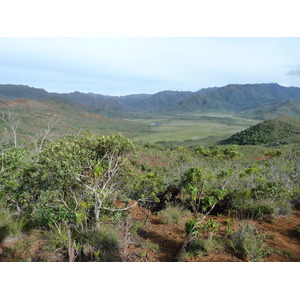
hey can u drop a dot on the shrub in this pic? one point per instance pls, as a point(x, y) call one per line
point(261, 208)
point(151, 245)
point(136, 226)
point(172, 214)
point(248, 243)
point(192, 225)
point(199, 246)
point(99, 244)
point(12, 225)
point(56, 237)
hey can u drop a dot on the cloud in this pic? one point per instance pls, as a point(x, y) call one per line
point(295, 72)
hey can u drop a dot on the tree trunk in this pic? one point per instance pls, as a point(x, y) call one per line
point(71, 249)
point(97, 215)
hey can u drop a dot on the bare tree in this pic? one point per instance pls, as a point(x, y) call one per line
point(104, 184)
point(11, 121)
point(42, 134)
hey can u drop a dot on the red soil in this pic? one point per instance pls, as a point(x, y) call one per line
point(282, 236)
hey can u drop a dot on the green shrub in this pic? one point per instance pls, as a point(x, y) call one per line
point(136, 226)
point(210, 226)
point(192, 225)
point(172, 214)
point(199, 246)
point(99, 244)
point(151, 245)
point(259, 209)
point(11, 225)
point(56, 237)
point(248, 243)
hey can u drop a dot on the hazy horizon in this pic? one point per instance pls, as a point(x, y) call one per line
point(123, 66)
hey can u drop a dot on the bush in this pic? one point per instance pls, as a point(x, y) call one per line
point(260, 209)
point(199, 246)
point(192, 226)
point(136, 226)
point(99, 244)
point(152, 246)
point(56, 238)
point(172, 214)
point(248, 243)
point(11, 225)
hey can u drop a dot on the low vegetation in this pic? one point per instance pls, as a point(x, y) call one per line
point(272, 132)
point(79, 194)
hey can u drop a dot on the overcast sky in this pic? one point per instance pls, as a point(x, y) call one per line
point(120, 66)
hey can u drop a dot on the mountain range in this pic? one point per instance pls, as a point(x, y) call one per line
point(250, 100)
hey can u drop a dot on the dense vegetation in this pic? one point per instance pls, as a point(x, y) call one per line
point(279, 131)
point(70, 185)
point(78, 191)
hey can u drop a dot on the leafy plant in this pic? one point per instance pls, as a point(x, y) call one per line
point(248, 243)
point(210, 226)
point(192, 226)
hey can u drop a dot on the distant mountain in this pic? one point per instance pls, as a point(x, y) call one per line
point(12, 91)
point(34, 114)
point(154, 103)
point(261, 101)
point(105, 105)
point(279, 131)
point(96, 103)
point(234, 97)
point(273, 109)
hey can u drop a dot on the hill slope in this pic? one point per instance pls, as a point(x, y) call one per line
point(154, 103)
point(35, 113)
point(273, 109)
point(234, 97)
point(279, 131)
point(251, 100)
point(98, 103)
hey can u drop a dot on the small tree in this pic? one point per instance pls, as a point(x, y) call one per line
point(39, 137)
point(11, 121)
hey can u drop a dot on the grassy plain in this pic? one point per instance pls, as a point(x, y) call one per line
point(178, 127)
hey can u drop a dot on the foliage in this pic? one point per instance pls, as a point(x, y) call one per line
point(248, 243)
point(192, 226)
point(230, 152)
point(200, 245)
point(151, 245)
point(99, 244)
point(11, 224)
point(278, 131)
point(210, 226)
point(172, 214)
point(136, 226)
point(14, 166)
point(72, 187)
point(198, 189)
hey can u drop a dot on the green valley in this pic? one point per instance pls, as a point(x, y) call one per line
point(211, 175)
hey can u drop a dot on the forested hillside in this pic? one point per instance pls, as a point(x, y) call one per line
point(231, 98)
point(282, 130)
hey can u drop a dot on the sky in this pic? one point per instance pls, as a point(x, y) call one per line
point(94, 46)
point(129, 65)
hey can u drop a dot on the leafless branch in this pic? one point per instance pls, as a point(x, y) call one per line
point(11, 121)
point(42, 134)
